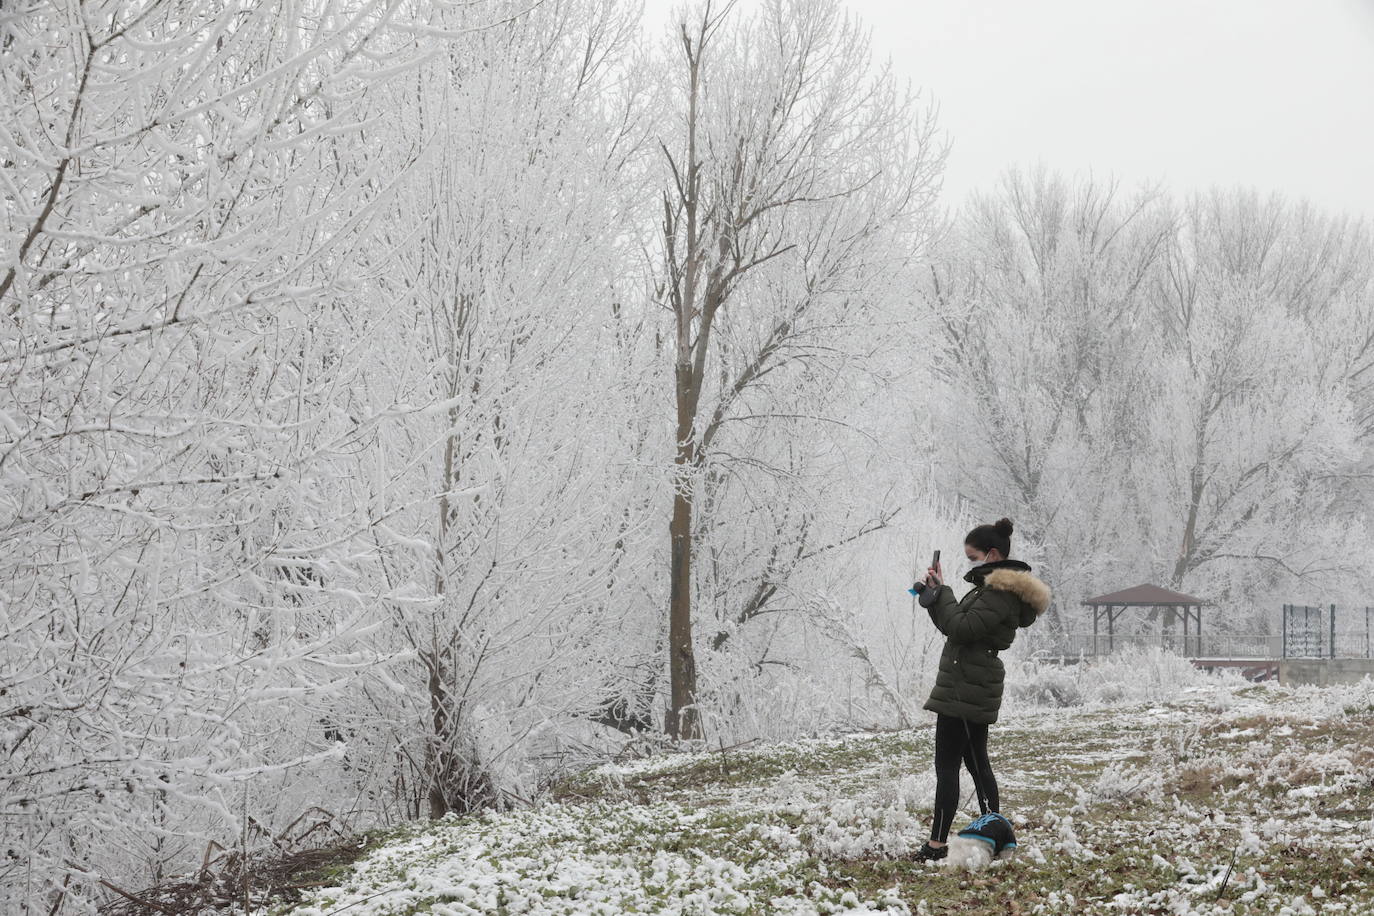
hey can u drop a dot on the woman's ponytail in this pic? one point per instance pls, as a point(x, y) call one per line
point(996, 536)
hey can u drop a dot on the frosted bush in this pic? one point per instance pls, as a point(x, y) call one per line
point(1131, 676)
point(907, 791)
point(787, 794)
point(1140, 674)
point(1047, 685)
point(1346, 699)
point(889, 823)
point(1066, 839)
point(1120, 782)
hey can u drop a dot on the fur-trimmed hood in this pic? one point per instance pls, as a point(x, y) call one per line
point(1034, 593)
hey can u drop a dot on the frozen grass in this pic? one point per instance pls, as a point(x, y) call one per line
point(1224, 798)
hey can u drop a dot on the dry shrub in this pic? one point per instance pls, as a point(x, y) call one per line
point(1260, 722)
point(1197, 779)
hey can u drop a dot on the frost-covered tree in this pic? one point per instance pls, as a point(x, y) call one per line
point(1264, 312)
point(1041, 364)
point(796, 180)
point(186, 187)
point(504, 480)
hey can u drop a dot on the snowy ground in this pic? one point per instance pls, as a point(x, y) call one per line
point(1226, 799)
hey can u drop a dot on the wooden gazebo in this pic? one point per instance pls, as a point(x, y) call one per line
point(1151, 596)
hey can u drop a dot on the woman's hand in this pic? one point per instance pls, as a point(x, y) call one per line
point(934, 578)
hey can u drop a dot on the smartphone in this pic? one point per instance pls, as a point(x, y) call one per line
point(919, 586)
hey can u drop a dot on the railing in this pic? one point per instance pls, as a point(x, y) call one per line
point(1327, 632)
point(1207, 645)
point(1307, 632)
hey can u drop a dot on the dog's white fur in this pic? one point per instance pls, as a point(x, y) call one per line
point(972, 854)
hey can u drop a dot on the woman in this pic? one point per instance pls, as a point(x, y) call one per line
point(968, 686)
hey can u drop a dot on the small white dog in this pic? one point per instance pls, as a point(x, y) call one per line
point(989, 837)
point(971, 854)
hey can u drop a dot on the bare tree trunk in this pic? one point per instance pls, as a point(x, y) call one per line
point(1187, 546)
point(683, 721)
point(440, 764)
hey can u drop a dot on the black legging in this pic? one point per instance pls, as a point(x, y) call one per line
point(956, 741)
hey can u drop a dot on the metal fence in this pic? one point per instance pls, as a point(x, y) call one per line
point(1328, 631)
point(1219, 645)
point(1307, 631)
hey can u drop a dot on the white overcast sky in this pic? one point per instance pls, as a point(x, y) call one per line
point(1272, 94)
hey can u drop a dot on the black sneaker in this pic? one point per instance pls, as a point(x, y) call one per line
point(929, 853)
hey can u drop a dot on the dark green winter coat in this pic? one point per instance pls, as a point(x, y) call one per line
point(1005, 596)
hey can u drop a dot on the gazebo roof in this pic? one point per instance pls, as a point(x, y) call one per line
point(1146, 596)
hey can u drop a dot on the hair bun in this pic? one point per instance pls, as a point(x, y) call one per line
point(1003, 527)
